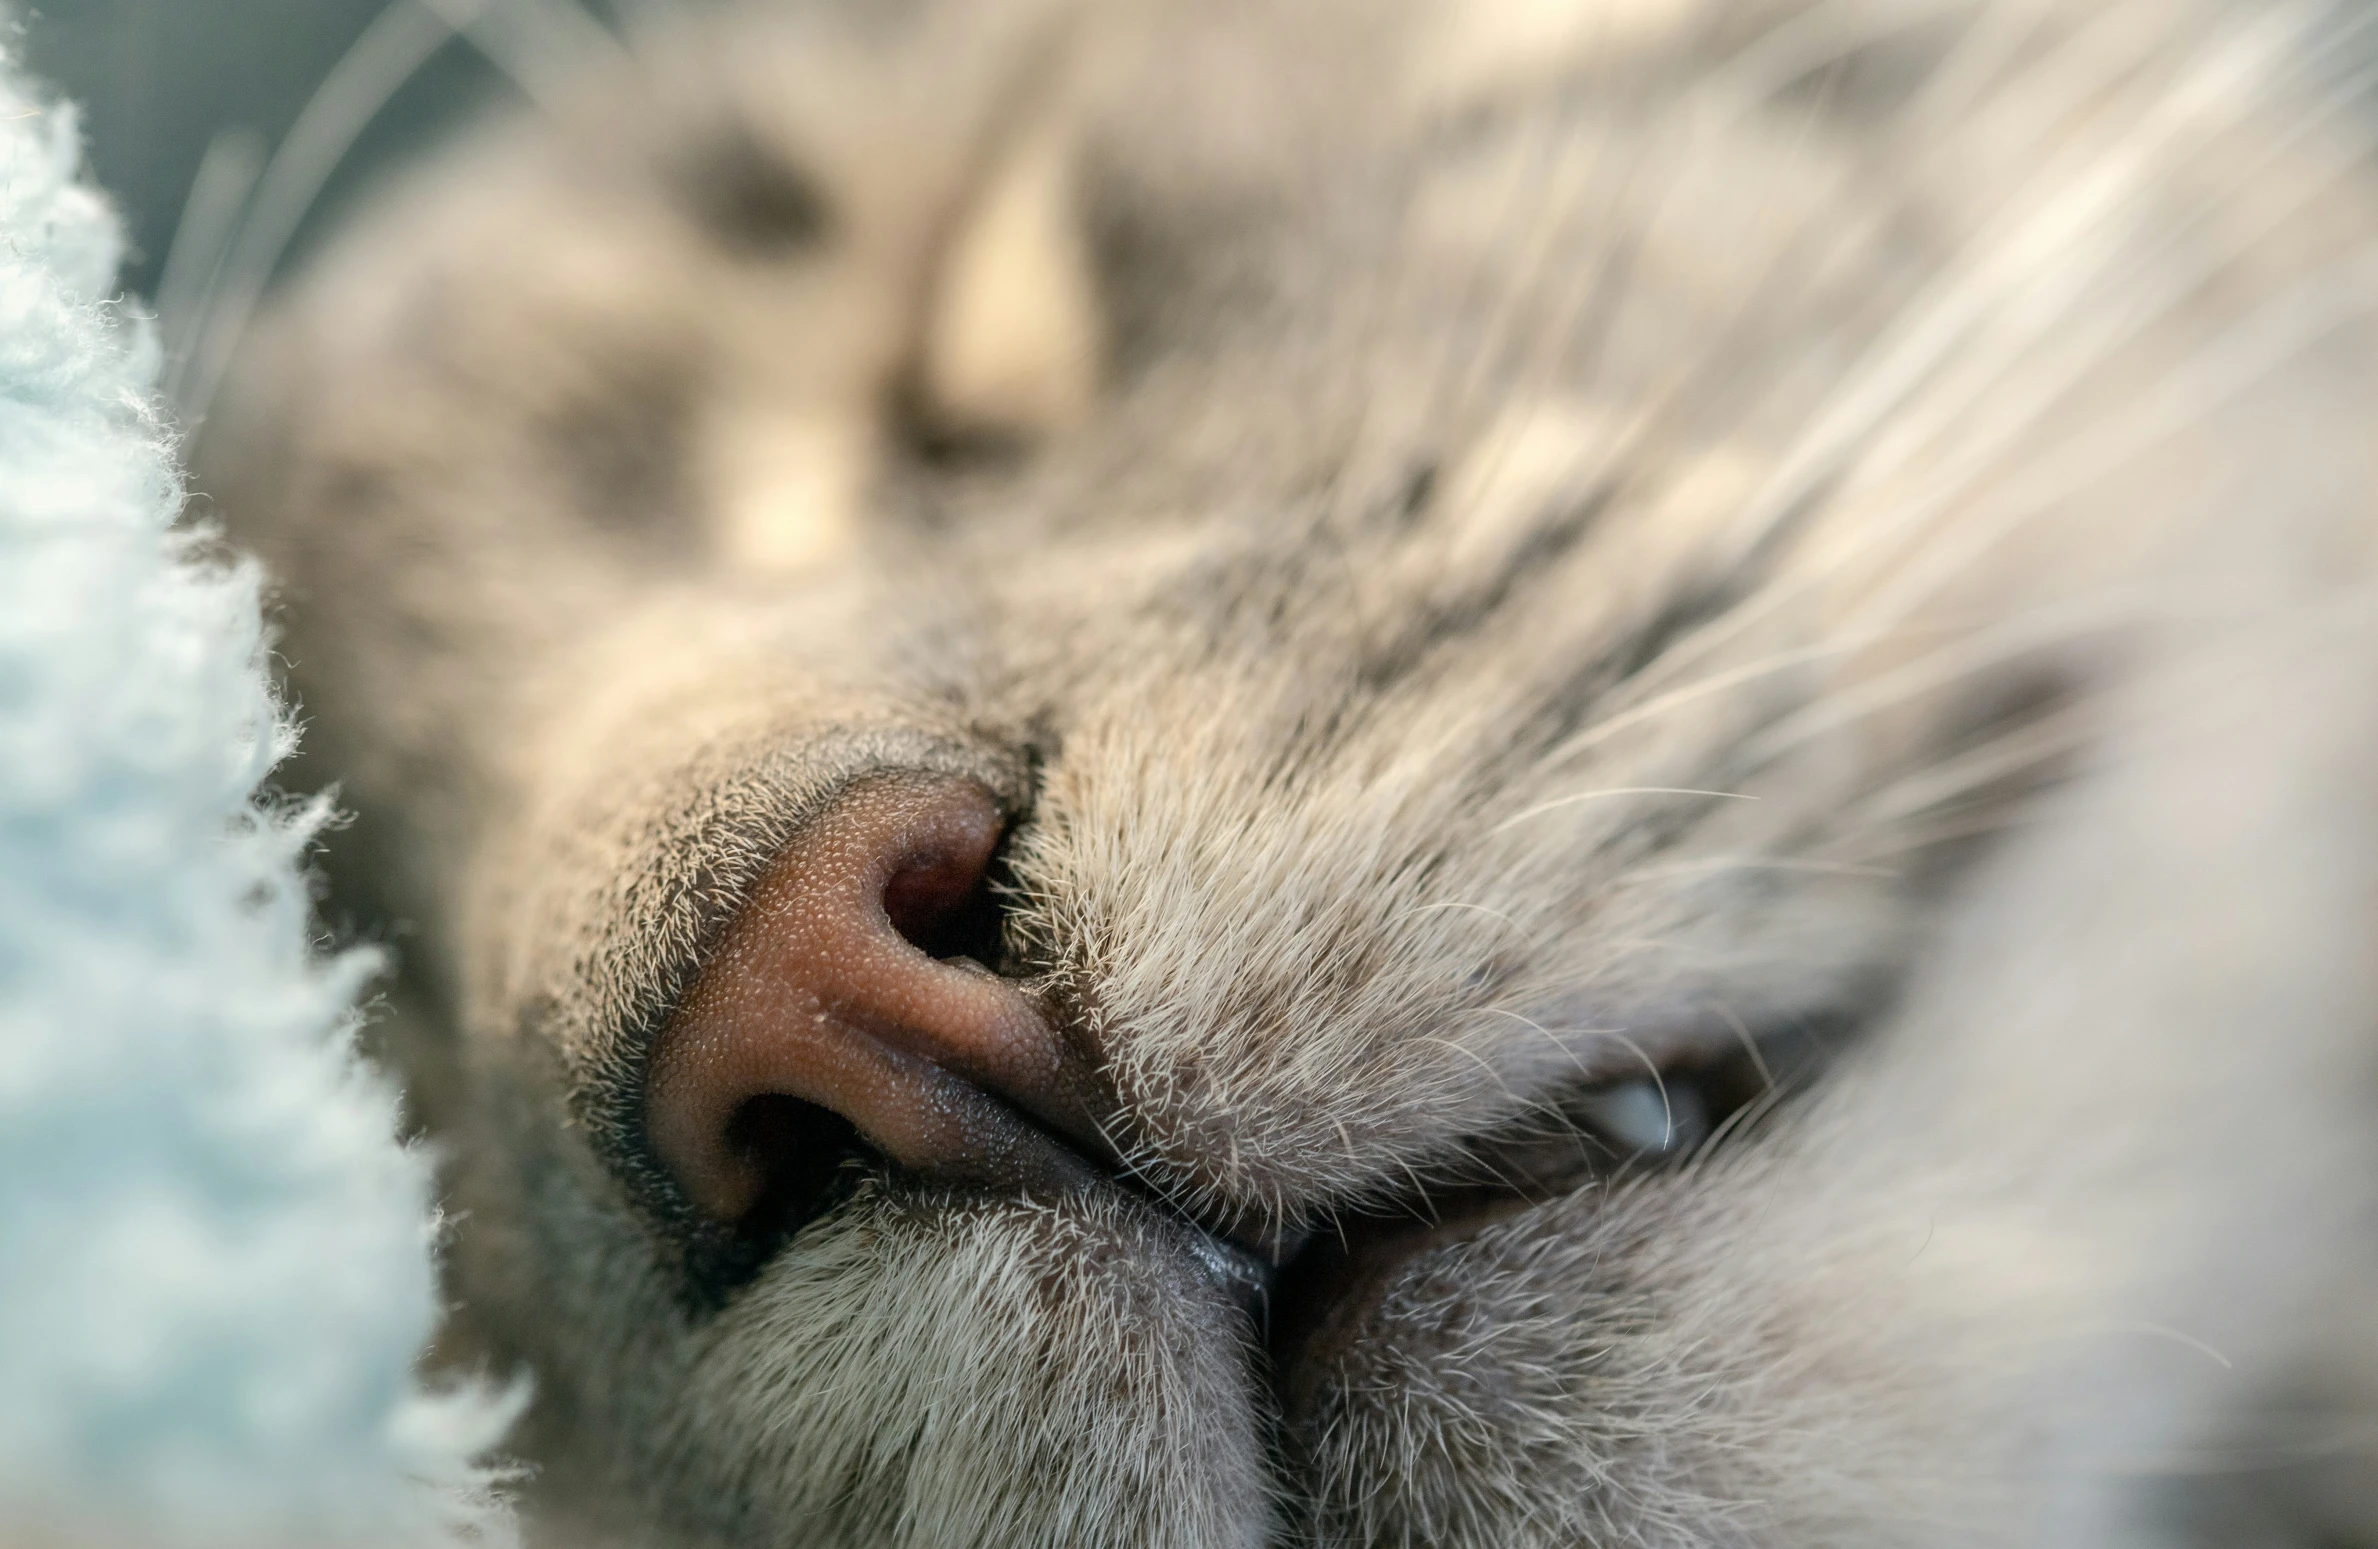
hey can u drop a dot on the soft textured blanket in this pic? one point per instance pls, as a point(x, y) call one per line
point(215, 1259)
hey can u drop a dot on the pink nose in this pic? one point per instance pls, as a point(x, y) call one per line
point(823, 991)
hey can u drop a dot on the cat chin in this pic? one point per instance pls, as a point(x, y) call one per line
point(1081, 1362)
point(1050, 1365)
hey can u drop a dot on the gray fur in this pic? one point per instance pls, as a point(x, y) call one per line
point(1940, 429)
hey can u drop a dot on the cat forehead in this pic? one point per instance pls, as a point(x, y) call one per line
point(838, 210)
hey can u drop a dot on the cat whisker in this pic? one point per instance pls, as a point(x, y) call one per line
point(2249, 350)
point(1419, 909)
point(554, 40)
point(1560, 1044)
point(2261, 345)
point(2160, 1331)
point(1929, 836)
point(2027, 749)
point(1931, 335)
point(219, 194)
point(1713, 864)
point(391, 51)
point(541, 46)
point(1749, 1044)
point(1395, 303)
point(2333, 112)
point(1965, 657)
point(1569, 348)
point(1702, 688)
point(1651, 1067)
point(1742, 1118)
point(1497, 1078)
point(1614, 791)
point(1459, 392)
point(1685, 391)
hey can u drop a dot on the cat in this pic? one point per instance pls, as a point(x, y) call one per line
point(1376, 772)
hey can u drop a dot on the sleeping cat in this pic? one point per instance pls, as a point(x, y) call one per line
point(1406, 772)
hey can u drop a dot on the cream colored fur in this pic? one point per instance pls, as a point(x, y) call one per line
point(1527, 543)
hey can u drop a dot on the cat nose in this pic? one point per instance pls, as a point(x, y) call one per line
point(840, 985)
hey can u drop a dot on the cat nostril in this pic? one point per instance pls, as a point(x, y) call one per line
point(941, 904)
point(840, 1007)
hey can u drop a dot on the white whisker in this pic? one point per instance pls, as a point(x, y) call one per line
point(1547, 206)
point(2261, 345)
point(1702, 688)
point(2165, 1332)
point(1493, 914)
point(541, 46)
point(1907, 841)
point(1966, 657)
point(1651, 1068)
point(1620, 790)
point(391, 51)
point(2027, 749)
point(2022, 287)
point(219, 195)
point(1750, 1044)
point(1566, 1048)
point(1498, 1078)
point(1712, 864)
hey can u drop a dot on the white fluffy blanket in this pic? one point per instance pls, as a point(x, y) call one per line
point(215, 1260)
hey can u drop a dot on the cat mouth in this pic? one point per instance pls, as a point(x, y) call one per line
point(1325, 1290)
point(847, 1026)
point(1312, 1292)
point(1320, 1295)
point(1324, 1294)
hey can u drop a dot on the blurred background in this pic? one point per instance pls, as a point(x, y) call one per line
point(234, 132)
point(162, 80)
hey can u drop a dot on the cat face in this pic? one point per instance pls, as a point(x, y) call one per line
point(1219, 775)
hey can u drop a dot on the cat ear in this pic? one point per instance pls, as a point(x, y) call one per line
point(1013, 331)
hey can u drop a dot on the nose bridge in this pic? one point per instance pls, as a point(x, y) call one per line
point(820, 991)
